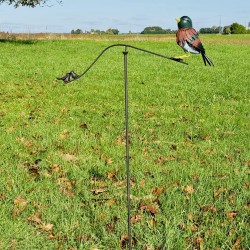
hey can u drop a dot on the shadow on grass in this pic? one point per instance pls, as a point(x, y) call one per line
point(26, 42)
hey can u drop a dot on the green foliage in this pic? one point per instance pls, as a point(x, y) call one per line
point(157, 30)
point(112, 31)
point(235, 28)
point(77, 31)
point(227, 30)
point(28, 3)
point(109, 32)
point(62, 169)
point(212, 30)
point(238, 29)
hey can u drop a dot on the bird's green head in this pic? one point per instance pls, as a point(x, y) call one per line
point(184, 22)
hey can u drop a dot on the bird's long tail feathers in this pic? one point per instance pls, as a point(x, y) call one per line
point(207, 60)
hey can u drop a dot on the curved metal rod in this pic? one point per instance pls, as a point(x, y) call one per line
point(72, 76)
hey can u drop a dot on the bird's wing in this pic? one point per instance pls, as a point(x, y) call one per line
point(191, 37)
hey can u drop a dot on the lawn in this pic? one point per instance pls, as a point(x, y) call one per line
point(62, 166)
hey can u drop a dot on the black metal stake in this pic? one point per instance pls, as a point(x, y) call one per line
point(125, 53)
point(72, 76)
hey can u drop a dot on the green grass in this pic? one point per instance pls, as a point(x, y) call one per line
point(62, 166)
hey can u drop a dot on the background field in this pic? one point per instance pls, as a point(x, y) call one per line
point(62, 169)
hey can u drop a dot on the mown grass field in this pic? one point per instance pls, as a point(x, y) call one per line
point(62, 164)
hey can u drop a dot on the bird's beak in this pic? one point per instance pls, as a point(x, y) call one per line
point(178, 20)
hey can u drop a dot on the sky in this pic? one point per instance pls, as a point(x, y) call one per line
point(124, 15)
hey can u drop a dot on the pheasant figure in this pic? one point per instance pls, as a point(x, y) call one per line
point(188, 39)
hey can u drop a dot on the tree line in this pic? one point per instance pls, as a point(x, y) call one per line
point(234, 28)
point(99, 32)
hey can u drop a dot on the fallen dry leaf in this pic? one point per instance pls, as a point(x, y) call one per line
point(51, 236)
point(189, 189)
point(173, 184)
point(157, 191)
point(209, 208)
point(231, 215)
point(149, 247)
point(219, 191)
point(56, 168)
point(111, 174)
point(20, 201)
point(190, 217)
point(194, 228)
point(19, 206)
point(11, 129)
point(13, 245)
point(228, 133)
point(124, 240)
point(142, 183)
point(136, 218)
point(84, 126)
point(102, 216)
point(236, 245)
point(120, 140)
point(66, 186)
point(97, 183)
point(123, 184)
point(46, 228)
point(181, 226)
point(35, 219)
point(152, 209)
point(198, 242)
point(111, 202)
point(206, 137)
point(195, 177)
point(64, 135)
point(26, 143)
point(69, 157)
point(152, 222)
point(98, 191)
point(162, 160)
point(110, 227)
point(67, 191)
point(2, 196)
point(34, 171)
point(108, 161)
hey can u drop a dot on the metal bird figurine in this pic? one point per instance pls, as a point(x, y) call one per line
point(69, 77)
point(188, 39)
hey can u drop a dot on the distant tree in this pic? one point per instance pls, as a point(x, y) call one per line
point(169, 31)
point(115, 31)
point(112, 31)
point(156, 30)
point(78, 31)
point(98, 32)
point(153, 30)
point(212, 30)
point(28, 3)
point(227, 30)
point(238, 29)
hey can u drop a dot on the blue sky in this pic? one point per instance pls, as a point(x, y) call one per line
point(124, 15)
